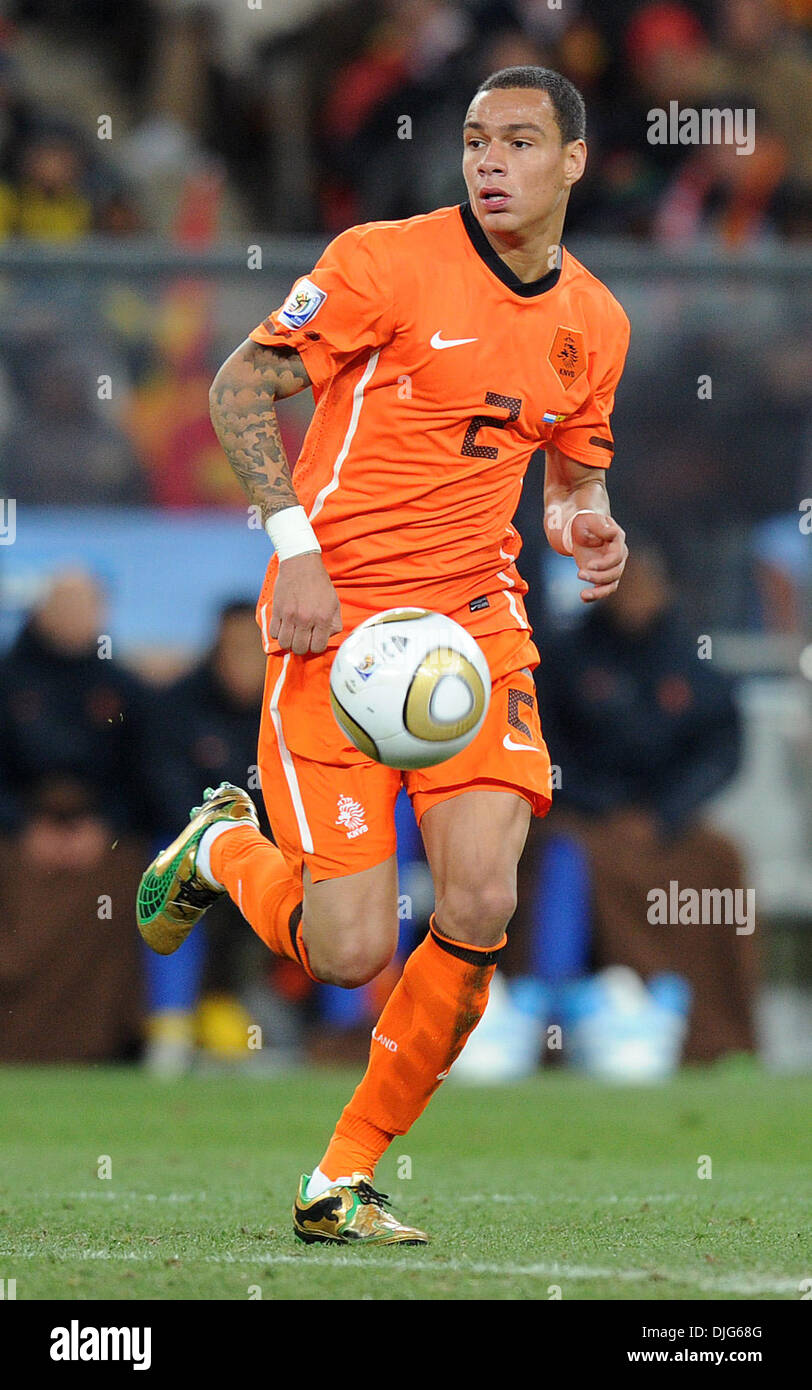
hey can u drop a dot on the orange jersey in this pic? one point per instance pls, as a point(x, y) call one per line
point(437, 373)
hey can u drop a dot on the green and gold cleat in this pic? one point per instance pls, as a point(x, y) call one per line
point(351, 1214)
point(172, 895)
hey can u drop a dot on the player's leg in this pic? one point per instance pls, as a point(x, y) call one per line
point(326, 893)
point(175, 890)
point(329, 884)
point(474, 814)
point(473, 842)
point(350, 924)
point(343, 930)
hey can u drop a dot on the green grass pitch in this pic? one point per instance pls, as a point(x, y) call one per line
point(552, 1183)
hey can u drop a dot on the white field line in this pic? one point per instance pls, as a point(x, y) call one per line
point(746, 1284)
point(552, 1199)
point(112, 1195)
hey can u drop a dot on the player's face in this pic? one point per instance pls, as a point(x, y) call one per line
point(517, 171)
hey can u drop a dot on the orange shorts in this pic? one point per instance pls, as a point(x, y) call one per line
point(332, 808)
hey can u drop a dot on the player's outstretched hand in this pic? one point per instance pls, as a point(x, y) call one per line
point(600, 551)
point(306, 610)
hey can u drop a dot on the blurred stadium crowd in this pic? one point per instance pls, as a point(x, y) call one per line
point(293, 106)
point(231, 127)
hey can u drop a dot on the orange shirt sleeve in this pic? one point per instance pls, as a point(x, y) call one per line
point(342, 308)
point(586, 436)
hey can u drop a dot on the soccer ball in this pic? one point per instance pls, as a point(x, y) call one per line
point(410, 688)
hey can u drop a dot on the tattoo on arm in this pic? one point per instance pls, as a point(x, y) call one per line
point(242, 400)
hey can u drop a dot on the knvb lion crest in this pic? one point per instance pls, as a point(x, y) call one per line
point(567, 355)
point(352, 816)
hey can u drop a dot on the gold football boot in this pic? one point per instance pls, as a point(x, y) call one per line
point(351, 1214)
point(172, 895)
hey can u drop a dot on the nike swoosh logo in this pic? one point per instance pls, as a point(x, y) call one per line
point(507, 741)
point(439, 342)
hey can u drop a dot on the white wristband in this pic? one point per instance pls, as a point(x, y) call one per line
point(291, 533)
point(566, 534)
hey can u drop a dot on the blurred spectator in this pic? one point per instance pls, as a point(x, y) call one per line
point(660, 49)
point(759, 56)
point(60, 194)
point(205, 726)
point(171, 152)
point(60, 448)
point(55, 183)
point(69, 714)
point(418, 64)
point(721, 193)
point(52, 204)
point(69, 858)
point(644, 732)
point(678, 740)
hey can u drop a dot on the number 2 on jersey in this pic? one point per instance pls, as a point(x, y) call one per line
point(487, 451)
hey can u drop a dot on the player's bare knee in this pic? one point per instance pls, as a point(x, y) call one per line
point(350, 964)
point(350, 949)
point(477, 912)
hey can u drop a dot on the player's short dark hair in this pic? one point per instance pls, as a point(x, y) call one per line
point(568, 104)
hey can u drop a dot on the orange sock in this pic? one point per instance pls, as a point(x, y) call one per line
point(257, 878)
point(428, 1018)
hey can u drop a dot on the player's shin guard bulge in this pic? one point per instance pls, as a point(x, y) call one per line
point(173, 894)
point(427, 1020)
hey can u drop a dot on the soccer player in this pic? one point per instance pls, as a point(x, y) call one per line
point(442, 351)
